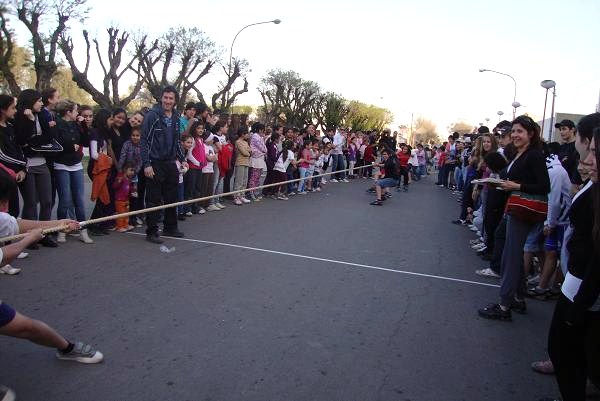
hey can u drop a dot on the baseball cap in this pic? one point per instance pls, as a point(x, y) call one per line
point(565, 123)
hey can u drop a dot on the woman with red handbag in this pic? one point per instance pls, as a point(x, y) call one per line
point(529, 185)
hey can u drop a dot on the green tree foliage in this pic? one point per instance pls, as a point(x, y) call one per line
point(364, 117)
point(20, 67)
point(242, 109)
point(67, 88)
point(287, 98)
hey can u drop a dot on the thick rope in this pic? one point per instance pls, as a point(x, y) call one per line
point(85, 223)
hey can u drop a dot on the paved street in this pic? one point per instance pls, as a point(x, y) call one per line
point(280, 318)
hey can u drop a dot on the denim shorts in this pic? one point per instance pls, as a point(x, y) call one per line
point(534, 239)
point(7, 314)
point(386, 182)
point(554, 240)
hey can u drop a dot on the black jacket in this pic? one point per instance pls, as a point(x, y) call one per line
point(157, 144)
point(68, 135)
point(530, 171)
point(11, 154)
point(583, 258)
point(26, 135)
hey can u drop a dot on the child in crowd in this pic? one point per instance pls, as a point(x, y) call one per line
point(196, 158)
point(186, 144)
point(207, 177)
point(130, 153)
point(304, 165)
point(315, 155)
point(124, 189)
point(242, 165)
point(326, 162)
point(285, 158)
point(352, 150)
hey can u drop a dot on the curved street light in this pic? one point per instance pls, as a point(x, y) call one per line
point(548, 84)
point(275, 21)
point(515, 94)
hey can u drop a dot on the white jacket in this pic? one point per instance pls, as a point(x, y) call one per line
point(559, 198)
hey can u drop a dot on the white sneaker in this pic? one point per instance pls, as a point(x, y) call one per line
point(244, 200)
point(345, 180)
point(212, 208)
point(8, 269)
point(85, 238)
point(22, 255)
point(220, 205)
point(474, 229)
point(188, 214)
point(61, 237)
point(201, 211)
point(478, 246)
point(487, 272)
point(237, 202)
point(323, 181)
point(333, 180)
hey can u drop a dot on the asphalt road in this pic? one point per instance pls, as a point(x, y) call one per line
point(214, 322)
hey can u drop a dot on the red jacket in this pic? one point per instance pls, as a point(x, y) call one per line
point(224, 161)
point(403, 158)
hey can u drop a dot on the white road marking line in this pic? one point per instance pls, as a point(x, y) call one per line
point(340, 262)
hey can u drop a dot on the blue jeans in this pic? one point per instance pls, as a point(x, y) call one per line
point(70, 194)
point(304, 173)
point(337, 164)
point(458, 178)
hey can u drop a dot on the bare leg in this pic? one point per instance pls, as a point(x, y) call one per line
point(35, 331)
point(548, 269)
point(378, 192)
point(527, 262)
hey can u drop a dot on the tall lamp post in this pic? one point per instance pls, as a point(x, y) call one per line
point(515, 104)
point(500, 114)
point(549, 84)
point(275, 21)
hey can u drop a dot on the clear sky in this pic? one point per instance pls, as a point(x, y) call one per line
point(408, 56)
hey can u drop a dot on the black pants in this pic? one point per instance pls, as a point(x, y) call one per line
point(574, 351)
point(467, 201)
point(499, 239)
point(162, 189)
point(491, 221)
point(404, 176)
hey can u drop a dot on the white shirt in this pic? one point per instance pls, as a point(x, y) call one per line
point(208, 151)
point(282, 165)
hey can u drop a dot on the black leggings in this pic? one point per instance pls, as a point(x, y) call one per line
point(404, 175)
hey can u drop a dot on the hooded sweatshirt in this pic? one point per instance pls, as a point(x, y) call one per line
point(559, 198)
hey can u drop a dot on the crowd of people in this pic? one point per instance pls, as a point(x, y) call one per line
point(534, 206)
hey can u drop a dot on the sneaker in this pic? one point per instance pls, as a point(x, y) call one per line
point(282, 197)
point(83, 353)
point(122, 230)
point(333, 180)
point(487, 272)
point(495, 312)
point(8, 269)
point(538, 293)
point(371, 190)
point(292, 193)
point(475, 241)
point(220, 205)
point(376, 202)
point(387, 195)
point(459, 222)
point(256, 199)
point(84, 237)
point(324, 181)
point(22, 255)
point(345, 180)
point(201, 211)
point(245, 200)
point(61, 238)
point(405, 188)
point(478, 246)
point(302, 193)
point(173, 233)
point(318, 189)
point(189, 214)
point(7, 394)
point(544, 367)
point(212, 208)
point(237, 202)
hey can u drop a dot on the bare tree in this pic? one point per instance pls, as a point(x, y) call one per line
point(221, 99)
point(111, 67)
point(44, 45)
point(6, 52)
point(188, 51)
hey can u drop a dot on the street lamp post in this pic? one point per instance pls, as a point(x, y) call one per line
point(515, 94)
point(549, 84)
point(500, 114)
point(275, 21)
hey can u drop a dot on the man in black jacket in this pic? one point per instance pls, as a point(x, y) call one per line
point(160, 147)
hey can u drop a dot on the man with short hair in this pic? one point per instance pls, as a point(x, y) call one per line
point(160, 147)
point(567, 154)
